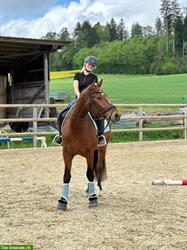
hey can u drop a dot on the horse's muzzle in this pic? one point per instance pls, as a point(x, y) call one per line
point(117, 116)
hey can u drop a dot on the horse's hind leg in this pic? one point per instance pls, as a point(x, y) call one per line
point(100, 168)
point(62, 203)
point(92, 197)
point(95, 160)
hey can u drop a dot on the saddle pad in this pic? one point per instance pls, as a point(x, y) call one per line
point(65, 116)
point(106, 125)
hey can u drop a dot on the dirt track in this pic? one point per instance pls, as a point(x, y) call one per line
point(132, 214)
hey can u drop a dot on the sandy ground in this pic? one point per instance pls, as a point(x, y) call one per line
point(132, 213)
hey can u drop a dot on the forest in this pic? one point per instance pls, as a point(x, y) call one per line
point(159, 49)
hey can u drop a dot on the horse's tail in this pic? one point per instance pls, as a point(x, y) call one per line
point(99, 169)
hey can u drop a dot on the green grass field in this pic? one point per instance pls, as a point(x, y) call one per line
point(136, 88)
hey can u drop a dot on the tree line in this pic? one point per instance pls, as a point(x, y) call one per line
point(161, 49)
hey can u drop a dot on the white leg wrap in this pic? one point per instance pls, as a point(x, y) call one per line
point(91, 188)
point(65, 191)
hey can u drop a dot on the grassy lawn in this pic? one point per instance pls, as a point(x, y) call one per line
point(136, 88)
point(131, 89)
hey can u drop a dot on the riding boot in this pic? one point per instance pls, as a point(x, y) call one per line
point(58, 138)
point(100, 136)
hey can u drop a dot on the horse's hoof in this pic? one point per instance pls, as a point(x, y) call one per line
point(62, 204)
point(93, 204)
point(93, 201)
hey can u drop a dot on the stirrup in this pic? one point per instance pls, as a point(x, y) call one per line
point(57, 140)
point(102, 142)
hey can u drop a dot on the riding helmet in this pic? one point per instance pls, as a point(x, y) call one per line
point(91, 60)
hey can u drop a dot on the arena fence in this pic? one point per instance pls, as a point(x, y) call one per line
point(140, 119)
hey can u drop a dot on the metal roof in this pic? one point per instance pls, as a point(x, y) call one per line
point(15, 49)
point(33, 41)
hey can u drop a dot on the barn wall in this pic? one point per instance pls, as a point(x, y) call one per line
point(3, 94)
point(28, 85)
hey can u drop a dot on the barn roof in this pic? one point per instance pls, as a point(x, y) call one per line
point(14, 50)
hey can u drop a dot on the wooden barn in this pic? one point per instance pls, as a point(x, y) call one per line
point(24, 72)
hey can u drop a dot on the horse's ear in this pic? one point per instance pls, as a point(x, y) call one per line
point(100, 83)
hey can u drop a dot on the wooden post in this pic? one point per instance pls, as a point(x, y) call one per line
point(12, 87)
point(46, 82)
point(140, 124)
point(185, 122)
point(34, 127)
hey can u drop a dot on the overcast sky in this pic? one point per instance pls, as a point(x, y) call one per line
point(34, 18)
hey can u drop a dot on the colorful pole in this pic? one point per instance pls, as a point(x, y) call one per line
point(170, 182)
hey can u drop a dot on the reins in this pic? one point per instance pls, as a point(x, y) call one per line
point(100, 110)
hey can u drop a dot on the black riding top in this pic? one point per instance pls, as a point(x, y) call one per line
point(85, 80)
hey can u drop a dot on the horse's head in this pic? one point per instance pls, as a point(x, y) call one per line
point(100, 105)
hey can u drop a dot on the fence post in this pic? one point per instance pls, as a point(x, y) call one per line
point(185, 122)
point(34, 127)
point(46, 83)
point(140, 124)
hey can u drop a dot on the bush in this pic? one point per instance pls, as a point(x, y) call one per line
point(158, 70)
point(182, 69)
point(169, 68)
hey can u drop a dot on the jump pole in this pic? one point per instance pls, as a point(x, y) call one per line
point(17, 139)
point(175, 182)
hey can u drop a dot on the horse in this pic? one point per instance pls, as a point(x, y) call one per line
point(79, 137)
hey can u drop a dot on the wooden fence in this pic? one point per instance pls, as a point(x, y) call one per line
point(140, 118)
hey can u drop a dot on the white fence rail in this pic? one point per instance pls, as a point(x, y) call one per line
point(140, 118)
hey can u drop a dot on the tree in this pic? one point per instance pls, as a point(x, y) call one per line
point(147, 31)
point(121, 30)
point(102, 32)
point(176, 24)
point(185, 28)
point(166, 13)
point(64, 34)
point(158, 27)
point(67, 57)
point(79, 36)
point(51, 36)
point(77, 29)
point(178, 37)
point(85, 35)
point(112, 26)
point(133, 56)
point(136, 30)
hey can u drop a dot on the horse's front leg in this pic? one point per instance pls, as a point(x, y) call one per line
point(101, 173)
point(92, 197)
point(62, 203)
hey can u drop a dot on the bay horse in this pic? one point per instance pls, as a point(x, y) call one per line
point(79, 137)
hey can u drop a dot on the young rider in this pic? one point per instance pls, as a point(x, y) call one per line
point(81, 81)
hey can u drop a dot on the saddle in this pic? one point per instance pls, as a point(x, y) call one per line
point(66, 112)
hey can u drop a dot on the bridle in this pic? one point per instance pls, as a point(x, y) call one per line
point(101, 111)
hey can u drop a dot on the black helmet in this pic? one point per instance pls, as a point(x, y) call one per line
point(91, 60)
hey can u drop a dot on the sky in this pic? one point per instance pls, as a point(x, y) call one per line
point(34, 18)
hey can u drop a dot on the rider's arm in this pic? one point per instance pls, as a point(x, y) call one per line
point(76, 88)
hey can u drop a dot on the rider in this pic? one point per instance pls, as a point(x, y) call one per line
point(81, 81)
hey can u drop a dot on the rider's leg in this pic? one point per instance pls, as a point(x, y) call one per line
point(58, 138)
point(101, 137)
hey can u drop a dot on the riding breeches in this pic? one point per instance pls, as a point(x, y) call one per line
point(62, 114)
